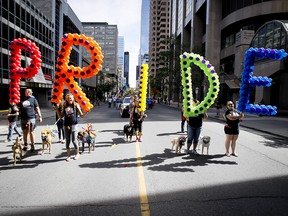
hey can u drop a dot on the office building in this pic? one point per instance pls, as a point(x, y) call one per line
point(120, 61)
point(144, 36)
point(126, 69)
point(159, 33)
point(222, 31)
point(43, 22)
point(107, 37)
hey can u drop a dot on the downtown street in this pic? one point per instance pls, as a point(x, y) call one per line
point(122, 178)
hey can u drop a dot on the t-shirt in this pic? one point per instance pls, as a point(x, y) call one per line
point(11, 110)
point(70, 115)
point(196, 121)
point(27, 108)
point(232, 123)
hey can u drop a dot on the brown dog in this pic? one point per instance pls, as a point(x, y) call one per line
point(17, 149)
point(46, 136)
point(87, 137)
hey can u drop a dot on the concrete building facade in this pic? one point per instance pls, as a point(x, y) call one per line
point(107, 37)
point(43, 22)
point(158, 32)
point(222, 31)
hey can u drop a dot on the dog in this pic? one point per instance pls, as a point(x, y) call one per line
point(87, 137)
point(46, 137)
point(17, 149)
point(205, 142)
point(128, 132)
point(178, 142)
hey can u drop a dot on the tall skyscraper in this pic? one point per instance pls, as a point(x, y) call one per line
point(120, 61)
point(121, 50)
point(126, 68)
point(159, 32)
point(144, 34)
point(107, 37)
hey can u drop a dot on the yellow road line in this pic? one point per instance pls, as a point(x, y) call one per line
point(145, 210)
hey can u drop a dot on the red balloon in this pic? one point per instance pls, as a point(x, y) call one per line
point(16, 71)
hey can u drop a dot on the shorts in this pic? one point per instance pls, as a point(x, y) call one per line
point(25, 122)
point(137, 125)
point(230, 130)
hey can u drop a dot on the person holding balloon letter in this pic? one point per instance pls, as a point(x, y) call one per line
point(231, 129)
point(70, 112)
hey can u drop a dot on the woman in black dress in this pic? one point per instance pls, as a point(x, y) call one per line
point(231, 129)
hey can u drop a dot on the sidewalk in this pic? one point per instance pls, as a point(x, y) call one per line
point(275, 125)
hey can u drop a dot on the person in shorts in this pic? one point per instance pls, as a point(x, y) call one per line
point(28, 110)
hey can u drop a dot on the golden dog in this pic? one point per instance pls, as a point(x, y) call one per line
point(178, 142)
point(17, 149)
point(46, 136)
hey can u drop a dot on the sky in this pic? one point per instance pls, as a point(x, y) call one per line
point(126, 14)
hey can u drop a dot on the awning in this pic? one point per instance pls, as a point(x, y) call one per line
point(233, 84)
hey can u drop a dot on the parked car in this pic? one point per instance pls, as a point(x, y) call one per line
point(125, 107)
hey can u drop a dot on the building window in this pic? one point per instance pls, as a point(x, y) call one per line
point(272, 35)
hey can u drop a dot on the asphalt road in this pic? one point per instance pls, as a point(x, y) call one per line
point(121, 178)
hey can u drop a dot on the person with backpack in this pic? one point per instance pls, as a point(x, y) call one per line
point(70, 112)
point(13, 114)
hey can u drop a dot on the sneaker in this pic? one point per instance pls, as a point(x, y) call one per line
point(68, 159)
point(63, 141)
point(6, 141)
point(76, 157)
point(32, 148)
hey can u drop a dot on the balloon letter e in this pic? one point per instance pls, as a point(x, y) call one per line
point(65, 74)
point(248, 81)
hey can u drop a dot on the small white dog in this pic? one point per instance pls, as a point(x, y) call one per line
point(205, 142)
point(178, 142)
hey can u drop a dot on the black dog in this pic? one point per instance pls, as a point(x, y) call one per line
point(128, 131)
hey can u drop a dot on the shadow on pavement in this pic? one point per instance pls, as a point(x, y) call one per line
point(155, 162)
